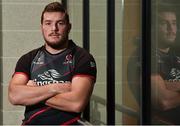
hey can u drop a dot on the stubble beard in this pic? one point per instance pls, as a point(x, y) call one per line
point(166, 43)
point(58, 45)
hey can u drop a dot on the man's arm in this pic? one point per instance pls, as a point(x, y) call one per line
point(21, 92)
point(77, 98)
point(174, 86)
point(162, 97)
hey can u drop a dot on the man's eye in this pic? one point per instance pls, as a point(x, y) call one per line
point(47, 23)
point(61, 23)
point(163, 23)
point(174, 23)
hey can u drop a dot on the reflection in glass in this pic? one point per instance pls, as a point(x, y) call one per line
point(165, 77)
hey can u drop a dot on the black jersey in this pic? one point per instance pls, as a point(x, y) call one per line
point(168, 66)
point(45, 68)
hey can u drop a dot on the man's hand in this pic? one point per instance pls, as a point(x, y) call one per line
point(31, 83)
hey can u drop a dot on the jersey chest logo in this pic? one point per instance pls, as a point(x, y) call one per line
point(68, 59)
point(49, 75)
point(174, 74)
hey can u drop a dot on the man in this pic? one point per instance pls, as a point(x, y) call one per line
point(55, 81)
point(165, 78)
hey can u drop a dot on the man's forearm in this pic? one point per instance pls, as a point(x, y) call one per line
point(76, 99)
point(29, 95)
point(67, 101)
point(162, 97)
point(174, 86)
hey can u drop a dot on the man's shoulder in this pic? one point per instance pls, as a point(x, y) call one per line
point(32, 53)
point(80, 51)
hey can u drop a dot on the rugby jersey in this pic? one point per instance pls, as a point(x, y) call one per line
point(46, 68)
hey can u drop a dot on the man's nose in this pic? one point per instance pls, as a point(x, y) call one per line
point(54, 27)
point(170, 27)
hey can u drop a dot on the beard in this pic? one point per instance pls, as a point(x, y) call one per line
point(166, 43)
point(59, 44)
point(166, 40)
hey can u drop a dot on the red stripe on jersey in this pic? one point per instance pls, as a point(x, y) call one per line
point(85, 75)
point(36, 114)
point(71, 121)
point(22, 73)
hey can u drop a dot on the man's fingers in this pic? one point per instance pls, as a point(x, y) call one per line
point(31, 83)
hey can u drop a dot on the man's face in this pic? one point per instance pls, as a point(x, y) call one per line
point(167, 27)
point(55, 29)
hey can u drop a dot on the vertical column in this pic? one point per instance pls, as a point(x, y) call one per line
point(86, 114)
point(64, 2)
point(146, 63)
point(110, 62)
point(86, 24)
point(1, 91)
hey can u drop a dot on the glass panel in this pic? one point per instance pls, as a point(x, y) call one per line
point(165, 79)
point(98, 47)
point(131, 61)
point(75, 13)
point(119, 9)
point(1, 82)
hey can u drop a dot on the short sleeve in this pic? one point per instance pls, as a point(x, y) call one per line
point(23, 65)
point(85, 65)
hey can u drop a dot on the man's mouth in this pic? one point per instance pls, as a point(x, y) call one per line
point(56, 35)
point(171, 34)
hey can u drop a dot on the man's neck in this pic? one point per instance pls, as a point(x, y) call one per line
point(164, 50)
point(163, 47)
point(56, 51)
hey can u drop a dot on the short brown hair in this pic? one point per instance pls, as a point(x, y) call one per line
point(55, 7)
